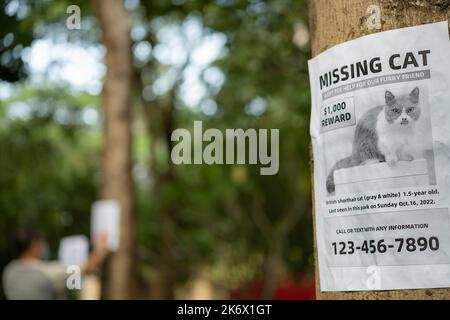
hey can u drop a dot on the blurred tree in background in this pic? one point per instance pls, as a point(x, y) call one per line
point(230, 63)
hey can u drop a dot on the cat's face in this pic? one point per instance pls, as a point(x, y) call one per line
point(402, 111)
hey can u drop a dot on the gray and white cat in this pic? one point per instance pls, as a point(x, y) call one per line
point(383, 134)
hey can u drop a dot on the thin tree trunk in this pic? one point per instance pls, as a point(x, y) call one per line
point(276, 236)
point(274, 268)
point(116, 159)
point(160, 121)
point(167, 266)
point(333, 22)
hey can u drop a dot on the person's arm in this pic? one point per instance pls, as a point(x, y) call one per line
point(97, 256)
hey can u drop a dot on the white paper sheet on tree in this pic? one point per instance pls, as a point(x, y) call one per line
point(380, 128)
point(105, 219)
point(73, 250)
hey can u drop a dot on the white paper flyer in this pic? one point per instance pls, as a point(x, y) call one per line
point(105, 218)
point(380, 128)
point(73, 250)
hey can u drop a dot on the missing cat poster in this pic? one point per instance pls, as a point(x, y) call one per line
point(380, 128)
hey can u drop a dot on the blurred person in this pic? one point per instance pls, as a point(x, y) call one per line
point(30, 278)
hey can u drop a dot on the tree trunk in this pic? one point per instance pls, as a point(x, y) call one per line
point(274, 268)
point(334, 22)
point(116, 159)
point(160, 122)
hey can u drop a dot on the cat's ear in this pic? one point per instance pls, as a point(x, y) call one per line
point(414, 95)
point(389, 97)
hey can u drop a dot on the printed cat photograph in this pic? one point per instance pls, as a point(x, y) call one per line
point(385, 133)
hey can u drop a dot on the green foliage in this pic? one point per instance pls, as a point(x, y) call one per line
point(48, 168)
point(206, 217)
point(215, 205)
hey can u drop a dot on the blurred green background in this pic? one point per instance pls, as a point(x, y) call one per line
point(230, 63)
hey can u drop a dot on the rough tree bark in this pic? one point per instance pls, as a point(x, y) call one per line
point(333, 22)
point(116, 158)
